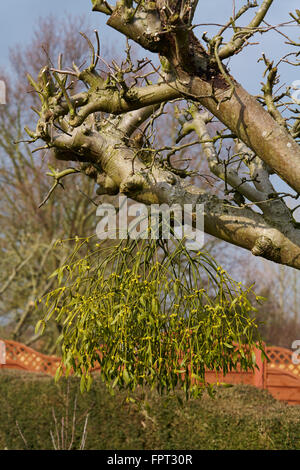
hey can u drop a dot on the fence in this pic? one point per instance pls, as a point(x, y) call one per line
point(279, 376)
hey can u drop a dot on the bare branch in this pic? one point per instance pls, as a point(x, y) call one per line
point(57, 175)
point(242, 35)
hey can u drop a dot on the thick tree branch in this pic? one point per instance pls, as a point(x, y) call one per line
point(113, 160)
point(109, 100)
point(239, 111)
point(240, 226)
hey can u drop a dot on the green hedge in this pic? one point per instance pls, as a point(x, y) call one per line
point(240, 417)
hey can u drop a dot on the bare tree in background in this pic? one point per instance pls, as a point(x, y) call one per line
point(29, 229)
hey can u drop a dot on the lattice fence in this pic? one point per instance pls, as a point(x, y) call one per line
point(283, 377)
point(279, 376)
point(15, 355)
point(281, 358)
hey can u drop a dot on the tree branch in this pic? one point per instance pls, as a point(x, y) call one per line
point(243, 34)
point(242, 114)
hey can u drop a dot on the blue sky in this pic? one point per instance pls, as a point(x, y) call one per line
point(18, 19)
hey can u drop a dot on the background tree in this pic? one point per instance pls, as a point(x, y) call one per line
point(29, 228)
point(278, 315)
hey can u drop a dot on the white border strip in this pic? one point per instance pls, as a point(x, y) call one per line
point(2, 352)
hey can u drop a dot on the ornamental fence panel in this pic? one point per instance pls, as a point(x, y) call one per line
point(279, 375)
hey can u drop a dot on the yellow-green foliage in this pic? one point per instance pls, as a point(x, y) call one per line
point(150, 314)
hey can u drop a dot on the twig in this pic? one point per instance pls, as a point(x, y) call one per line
point(15, 272)
point(57, 177)
point(21, 434)
point(86, 195)
point(84, 434)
